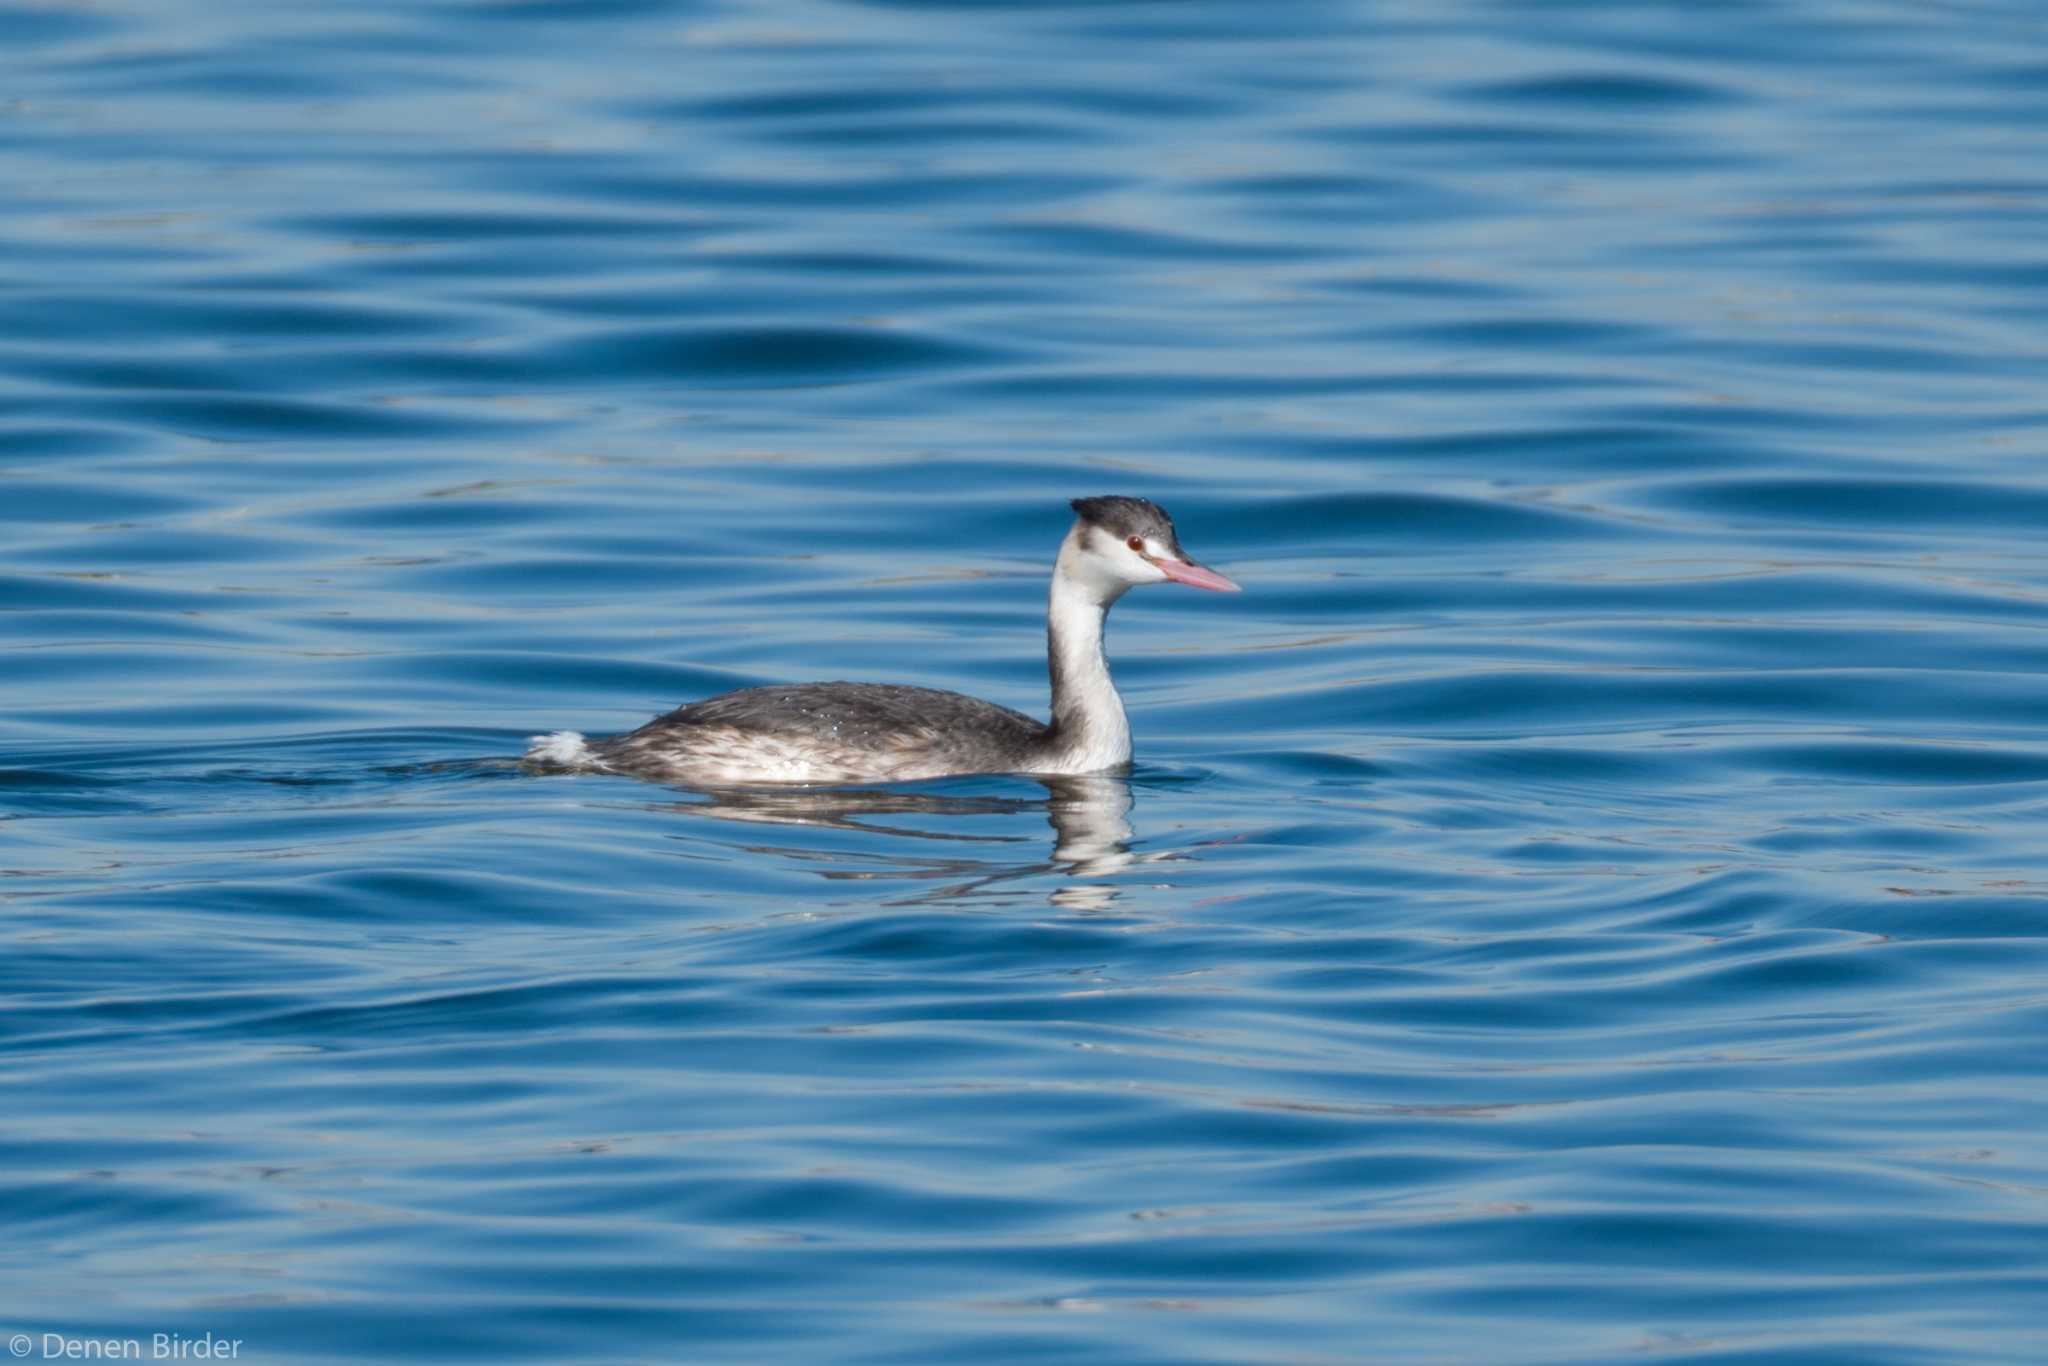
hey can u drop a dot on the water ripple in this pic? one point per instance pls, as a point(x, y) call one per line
point(1584, 898)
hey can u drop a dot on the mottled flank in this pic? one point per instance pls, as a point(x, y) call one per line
point(829, 732)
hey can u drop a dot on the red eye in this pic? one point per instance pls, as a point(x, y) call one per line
point(1136, 543)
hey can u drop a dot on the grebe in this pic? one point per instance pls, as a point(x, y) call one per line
point(886, 732)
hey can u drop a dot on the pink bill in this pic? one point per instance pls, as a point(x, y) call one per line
point(1194, 576)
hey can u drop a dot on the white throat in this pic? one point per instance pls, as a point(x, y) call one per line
point(1090, 731)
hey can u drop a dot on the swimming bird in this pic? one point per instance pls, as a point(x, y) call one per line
point(889, 732)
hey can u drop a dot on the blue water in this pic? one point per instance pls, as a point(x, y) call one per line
point(1586, 900)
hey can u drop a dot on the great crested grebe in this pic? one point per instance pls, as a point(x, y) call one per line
point(888, 732)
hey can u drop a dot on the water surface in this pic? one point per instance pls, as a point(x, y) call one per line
point(1587, 898)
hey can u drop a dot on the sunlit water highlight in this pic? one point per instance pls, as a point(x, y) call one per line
point(1584, 900)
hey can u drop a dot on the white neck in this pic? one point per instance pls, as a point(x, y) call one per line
point(1090, 733)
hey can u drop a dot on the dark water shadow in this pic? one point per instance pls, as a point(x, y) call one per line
point(1089, 816)
point(957, 839)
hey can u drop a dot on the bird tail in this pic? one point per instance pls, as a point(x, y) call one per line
point(562, 749)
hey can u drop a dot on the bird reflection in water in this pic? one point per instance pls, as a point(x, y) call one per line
point(1089, 815)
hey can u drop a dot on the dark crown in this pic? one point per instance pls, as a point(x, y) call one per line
point(1122, 517)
